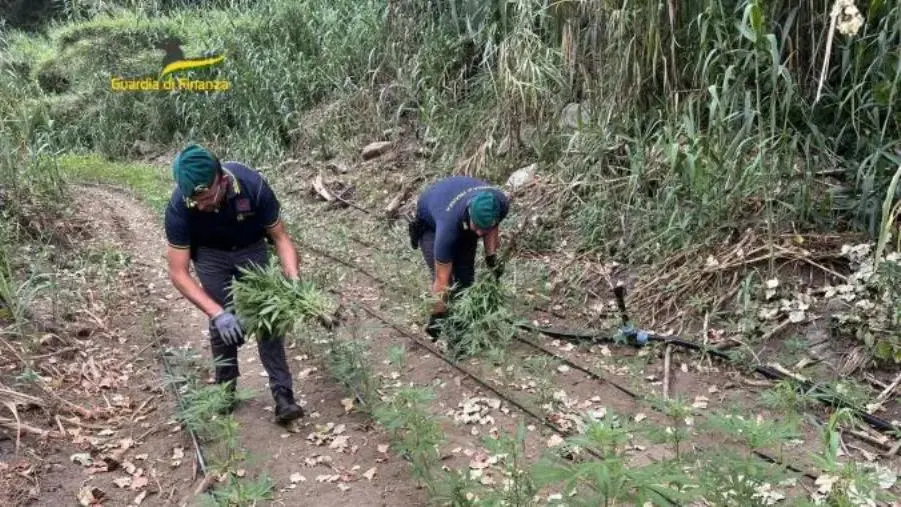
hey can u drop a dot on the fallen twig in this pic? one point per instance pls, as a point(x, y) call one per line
point(894, 450)
point(788, 373)
point(144, 404)
point(81, 411)
point(204, 484)
point(20, 398)
point(884, 395)
point(772, 332)
point(62, 428)
point(18, 426)
point(147, 433)
point(12, 408)
point(319, 188)
point(138, 353)
point(55, 353)
point(76, 422)
point(15, 353)
point(877, 440)
point(666, 370)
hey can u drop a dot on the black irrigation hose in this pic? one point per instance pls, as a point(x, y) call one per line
point(824, 397)
point(558, 333)
point(636, 396)
point(200, 463)
point(581, 334)
point(509, 399)
point(579, 367)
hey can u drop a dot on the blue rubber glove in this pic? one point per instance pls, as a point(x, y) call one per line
point(228, 327)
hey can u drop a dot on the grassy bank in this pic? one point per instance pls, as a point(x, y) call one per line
point(670, 127)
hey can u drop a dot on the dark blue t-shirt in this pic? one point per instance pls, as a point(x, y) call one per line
point(442, 207)
point(250, 207)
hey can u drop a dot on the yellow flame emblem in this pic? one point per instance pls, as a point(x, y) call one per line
point(193, 63)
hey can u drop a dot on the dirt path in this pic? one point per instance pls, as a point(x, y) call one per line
point(272, 449)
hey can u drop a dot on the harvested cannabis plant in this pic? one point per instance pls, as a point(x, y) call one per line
point(479, 319)
point(269, 304)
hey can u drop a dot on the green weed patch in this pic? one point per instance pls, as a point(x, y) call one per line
point(150, 183)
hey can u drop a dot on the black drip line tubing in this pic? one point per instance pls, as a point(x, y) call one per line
point(500, 394)
point(831, 399)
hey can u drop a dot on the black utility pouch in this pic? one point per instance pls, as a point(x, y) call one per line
point(415, 230)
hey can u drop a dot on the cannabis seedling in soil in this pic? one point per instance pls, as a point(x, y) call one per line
point(606, 478)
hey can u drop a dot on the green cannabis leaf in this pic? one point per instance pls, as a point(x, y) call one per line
point(269, 304)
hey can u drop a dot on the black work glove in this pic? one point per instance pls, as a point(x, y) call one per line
point(228, 327)
point(436, 320)
point(496, 267)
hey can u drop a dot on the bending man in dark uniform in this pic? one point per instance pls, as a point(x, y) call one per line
point(451, 215)
point(220, 216)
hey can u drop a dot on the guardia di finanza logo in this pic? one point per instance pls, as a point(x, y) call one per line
point(173, 62)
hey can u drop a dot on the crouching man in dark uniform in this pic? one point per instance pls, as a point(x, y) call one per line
point(220, 216)
point(451, 215)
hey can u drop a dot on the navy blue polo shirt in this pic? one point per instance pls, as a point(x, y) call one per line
point(249, 209)
point(442, 207)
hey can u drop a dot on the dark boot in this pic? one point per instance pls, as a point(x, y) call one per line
point(286, 409)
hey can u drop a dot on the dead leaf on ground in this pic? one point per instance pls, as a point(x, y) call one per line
point(318, 459)
point(82, 458)
point(307, 372)
point(138, 483)
point(343, 487)
point(296, 477)
point(348, 404)
point(383, 448)
point(339, 443)
point(700, 402)
point(640, 417)
point(122, 482)
point(89, 495)
point(140, 498)
point(555, 440)
point(369, 474)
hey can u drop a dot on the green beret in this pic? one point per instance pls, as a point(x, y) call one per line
point(194, 167)
point(484, 210)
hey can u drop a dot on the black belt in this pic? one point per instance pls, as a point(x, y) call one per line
point(231, 247)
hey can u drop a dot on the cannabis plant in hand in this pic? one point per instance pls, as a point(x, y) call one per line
point(479, 319)
point(269, 304)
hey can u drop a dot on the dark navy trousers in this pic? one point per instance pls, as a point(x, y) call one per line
point(463, 261)
point(216, 270)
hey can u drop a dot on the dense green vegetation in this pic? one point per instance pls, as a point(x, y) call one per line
point(696, 118)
